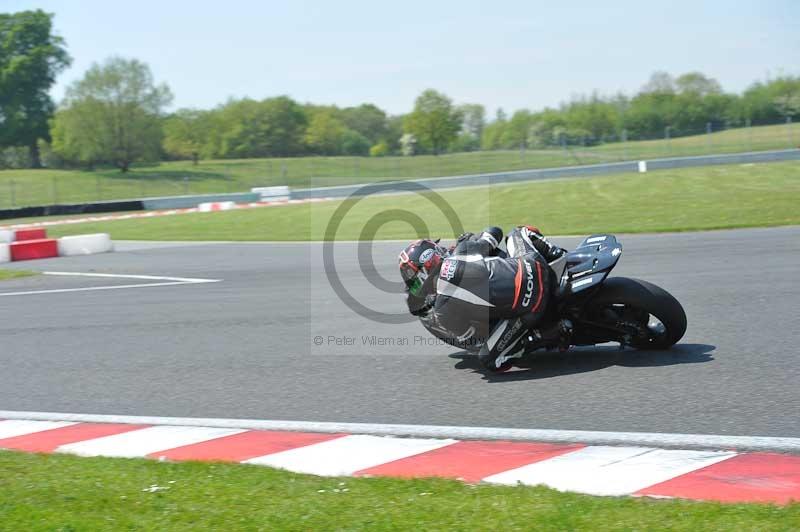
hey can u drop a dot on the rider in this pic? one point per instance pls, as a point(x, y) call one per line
point(478, 291)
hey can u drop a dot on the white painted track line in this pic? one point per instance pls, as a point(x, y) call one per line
point(646, 439)
point(89, 289)
point(610, 470)
point(11, 428)
point(165, 281)
point(346, 455)
point(126, 276)
point(145, 441)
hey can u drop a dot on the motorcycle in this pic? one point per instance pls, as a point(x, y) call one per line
point(601, 309)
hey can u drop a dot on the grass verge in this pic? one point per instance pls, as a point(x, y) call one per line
point(42, 187)
point(716, 197)
point(53, 492)
point(14, 274)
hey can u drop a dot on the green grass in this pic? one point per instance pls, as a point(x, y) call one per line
point(14, 274)
point(40, 187)
point(687, 199)
point(41, 492)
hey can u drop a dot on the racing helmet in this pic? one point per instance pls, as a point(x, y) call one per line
point(420, 261)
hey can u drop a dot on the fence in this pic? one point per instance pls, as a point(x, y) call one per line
point(47, 187)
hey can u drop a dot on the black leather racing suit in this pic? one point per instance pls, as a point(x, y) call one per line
point(497, 297)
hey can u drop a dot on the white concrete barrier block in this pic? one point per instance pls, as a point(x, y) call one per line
point(216, 206)
point(5, 252)
point(84, 245)
point(279, 193)
point(6, 236)
point(642, 167)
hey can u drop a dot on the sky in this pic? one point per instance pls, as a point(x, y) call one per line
point(512, 54)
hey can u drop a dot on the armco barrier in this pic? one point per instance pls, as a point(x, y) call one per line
point(567, 171)
point(80, 208)
point(84, 245)
point(5, 252)
point(188, 202)
point(44, 248)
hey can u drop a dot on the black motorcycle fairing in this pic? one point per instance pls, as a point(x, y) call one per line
point(589, 264)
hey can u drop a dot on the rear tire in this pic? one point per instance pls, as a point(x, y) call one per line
point(646, 298)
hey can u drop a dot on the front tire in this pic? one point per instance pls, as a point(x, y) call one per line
point(640, 300)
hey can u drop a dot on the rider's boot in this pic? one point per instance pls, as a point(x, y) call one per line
point(558, 334)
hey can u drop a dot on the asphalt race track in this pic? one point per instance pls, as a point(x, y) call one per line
point(244, 347)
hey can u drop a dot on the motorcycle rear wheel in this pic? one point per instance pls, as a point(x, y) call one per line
point(639, 302)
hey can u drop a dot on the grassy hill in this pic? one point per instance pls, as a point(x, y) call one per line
point(41, 187)
point(685, 199)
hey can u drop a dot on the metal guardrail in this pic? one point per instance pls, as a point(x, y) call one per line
point(565, 171)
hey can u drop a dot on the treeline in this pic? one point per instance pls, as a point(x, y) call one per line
point(115, 115)
point(689, 104)
point(279, 127)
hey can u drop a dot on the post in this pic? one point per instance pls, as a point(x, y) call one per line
point(708, 136)
point(98, 187)
point(13, 192)
point(667, 138)
point(624, 144)
point(749, 133)
point(789, 127)
point(141, 186)
point(186, 185)
point(55, 191)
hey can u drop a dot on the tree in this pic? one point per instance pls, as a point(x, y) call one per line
point(354, 143)
point(185, 134)
point(474, 119)
point(380, 149)
point(30, 59)
point(274, 127)
point(394, 131)
point(368, 120)
point(590, 119)
point(112, 115)
point(434, 121)
point(473, 122)
point(408, 144)
point(660, 83)
point(698, 84)
point(325, 133)
point(515, 134)
point(493, 132)
point(786, 95)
